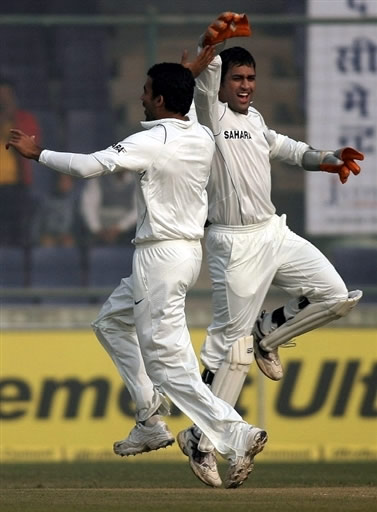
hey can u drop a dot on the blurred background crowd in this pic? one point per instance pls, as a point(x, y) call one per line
point(76, 87)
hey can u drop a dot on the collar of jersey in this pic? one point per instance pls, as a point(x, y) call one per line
point(167, 120)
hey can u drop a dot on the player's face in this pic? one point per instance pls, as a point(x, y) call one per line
point(149, 103)
point(238, 87)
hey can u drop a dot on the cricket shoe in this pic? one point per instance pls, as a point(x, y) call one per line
point(145, 438)
point(203, 464)
point(268, 362)
point(241, 467)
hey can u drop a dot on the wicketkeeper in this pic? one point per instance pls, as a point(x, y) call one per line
point(249, 247)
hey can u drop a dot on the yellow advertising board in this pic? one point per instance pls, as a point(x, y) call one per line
point(61, 398)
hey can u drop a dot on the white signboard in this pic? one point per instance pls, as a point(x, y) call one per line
point(342, 111)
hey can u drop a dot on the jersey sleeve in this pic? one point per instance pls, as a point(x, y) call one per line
point(135, 153)
point(283, 147)
point(75, 164)
point(206, 95)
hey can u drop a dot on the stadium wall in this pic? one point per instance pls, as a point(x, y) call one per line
point(61, 399)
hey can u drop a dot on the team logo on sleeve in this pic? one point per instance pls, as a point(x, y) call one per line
point(236, 134)
point(118, 147)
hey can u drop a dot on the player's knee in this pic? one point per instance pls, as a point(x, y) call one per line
point(337, 289)
point(327, 286)
point(333, 292)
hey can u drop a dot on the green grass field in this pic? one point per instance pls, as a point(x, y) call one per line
point(159, 487)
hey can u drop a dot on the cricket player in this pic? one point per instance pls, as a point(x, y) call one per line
point(249, 247)
point(143, 325)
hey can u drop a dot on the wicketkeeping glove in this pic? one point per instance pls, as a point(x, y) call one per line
point(227, 25)
point(341, 161)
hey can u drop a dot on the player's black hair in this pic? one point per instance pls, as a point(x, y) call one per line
point(175, 83)
point(235, 56)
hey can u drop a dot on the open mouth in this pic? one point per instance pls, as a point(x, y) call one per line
point(243, 96)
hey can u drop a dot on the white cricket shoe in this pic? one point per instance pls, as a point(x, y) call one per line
point(268, 362)
point(144, 438)
point(241, 467)
point(203, 464)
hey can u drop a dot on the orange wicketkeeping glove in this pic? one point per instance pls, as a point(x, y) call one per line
point(341, 161)
point(227, 25)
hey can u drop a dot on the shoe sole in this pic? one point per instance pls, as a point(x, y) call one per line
point(181, 444)
point(256, 448)
point(146, 448)
point(260, 360)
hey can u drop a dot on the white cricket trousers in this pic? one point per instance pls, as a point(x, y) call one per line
point(143, 328)
point(243, 262)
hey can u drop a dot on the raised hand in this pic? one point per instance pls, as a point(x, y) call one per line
point(200, 62)
point(227, 25)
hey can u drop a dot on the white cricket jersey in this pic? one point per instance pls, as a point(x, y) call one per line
point(239, 188)
point(173, 160)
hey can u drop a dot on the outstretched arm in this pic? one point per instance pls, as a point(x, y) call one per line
point(82, 166)
point(340, 161)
